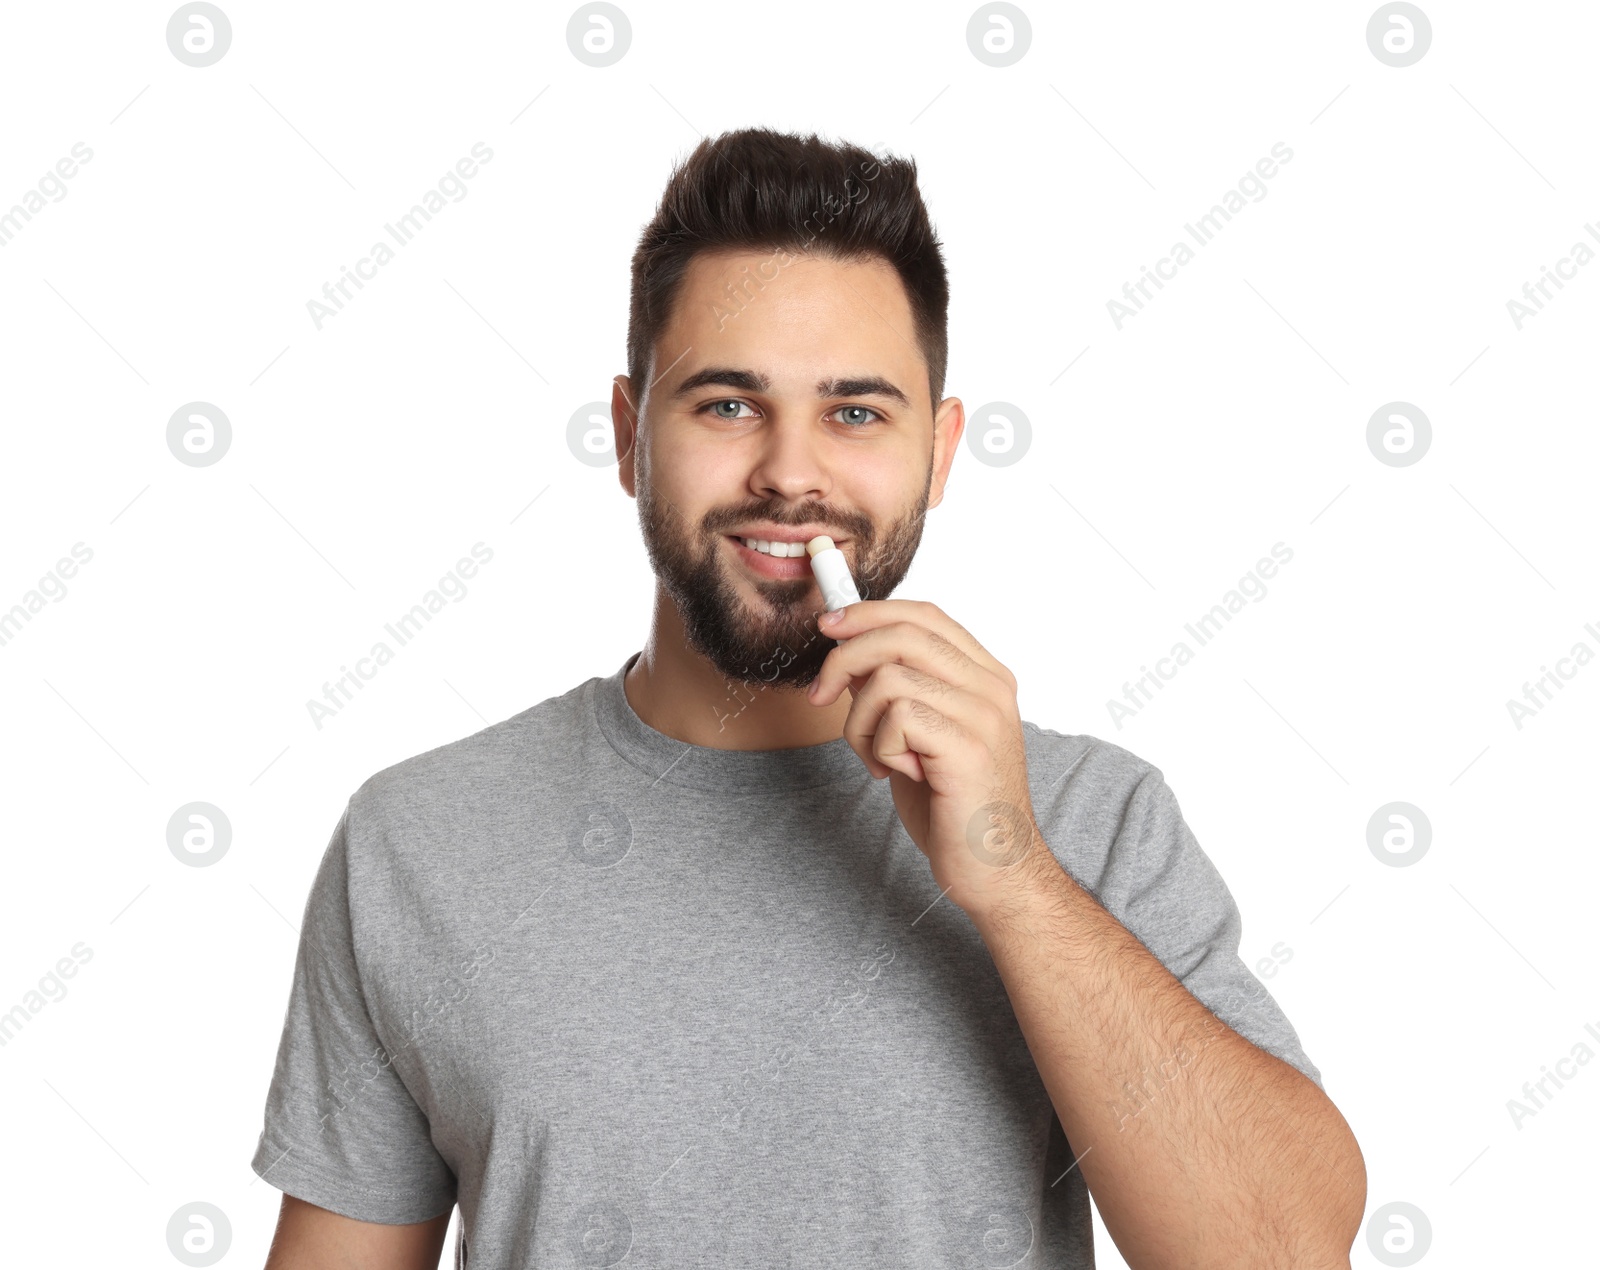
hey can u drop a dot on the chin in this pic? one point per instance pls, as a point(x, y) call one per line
point(779, 656)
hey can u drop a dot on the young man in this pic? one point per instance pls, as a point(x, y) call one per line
point(789, 942)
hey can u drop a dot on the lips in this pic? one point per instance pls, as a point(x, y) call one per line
point(766, 531)
point(770, 566)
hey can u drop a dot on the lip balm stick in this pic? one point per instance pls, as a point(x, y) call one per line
point(832, 572)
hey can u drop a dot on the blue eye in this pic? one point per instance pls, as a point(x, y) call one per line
point(715, 410)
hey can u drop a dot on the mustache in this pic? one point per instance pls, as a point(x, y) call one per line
point(850, 524)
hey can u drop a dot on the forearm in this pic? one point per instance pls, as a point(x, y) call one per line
point(1199, 1148)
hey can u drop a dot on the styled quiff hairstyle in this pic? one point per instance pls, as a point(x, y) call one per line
point(756, 189)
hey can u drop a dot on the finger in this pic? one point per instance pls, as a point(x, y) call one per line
point(866, 615)
point(913, 729)
point(873, 698)
point(862, 737)
point(909, 644)
point(940, 708)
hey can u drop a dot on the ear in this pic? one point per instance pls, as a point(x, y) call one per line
point(948, 425)
point(625, 431)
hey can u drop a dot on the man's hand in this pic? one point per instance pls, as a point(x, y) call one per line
point(1244, 1161)
point(936, 713)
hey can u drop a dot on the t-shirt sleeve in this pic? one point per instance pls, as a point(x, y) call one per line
point(1160, 885)
point(341, 1129)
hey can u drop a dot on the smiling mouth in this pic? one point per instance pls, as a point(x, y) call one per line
point(766, 564)
point(777, 550)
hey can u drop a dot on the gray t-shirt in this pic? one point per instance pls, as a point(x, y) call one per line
point(623, 997)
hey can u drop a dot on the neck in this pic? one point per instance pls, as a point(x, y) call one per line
point(682, 695)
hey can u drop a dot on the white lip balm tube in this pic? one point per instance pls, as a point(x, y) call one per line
point(832, 572)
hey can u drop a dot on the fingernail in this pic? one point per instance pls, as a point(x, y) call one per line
point(828, 619)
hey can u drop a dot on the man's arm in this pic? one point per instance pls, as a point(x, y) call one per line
point(1231, 1158)
point(312, 1238)
point(1200, 1149)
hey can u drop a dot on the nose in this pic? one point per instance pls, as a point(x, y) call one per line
point(790, 462)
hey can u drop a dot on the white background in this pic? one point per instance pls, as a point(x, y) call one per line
point(368, 456)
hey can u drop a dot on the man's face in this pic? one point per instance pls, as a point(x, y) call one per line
point(794, 405)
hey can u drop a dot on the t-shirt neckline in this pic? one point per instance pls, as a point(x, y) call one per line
point(673, 762)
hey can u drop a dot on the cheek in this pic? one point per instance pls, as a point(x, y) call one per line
point(708, 479)
point(694, 474)
point(877, 487)
point(717, 468)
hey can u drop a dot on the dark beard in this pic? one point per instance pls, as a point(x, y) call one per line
point(778, 644)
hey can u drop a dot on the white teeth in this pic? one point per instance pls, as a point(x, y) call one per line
point(780, 549)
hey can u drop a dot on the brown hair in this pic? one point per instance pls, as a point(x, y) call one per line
point(757, 189)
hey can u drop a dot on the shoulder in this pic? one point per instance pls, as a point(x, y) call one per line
point(1095, 799)
point(1098, 774)
point(473, 775)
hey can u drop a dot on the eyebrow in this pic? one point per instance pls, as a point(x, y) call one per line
point(755, 381)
